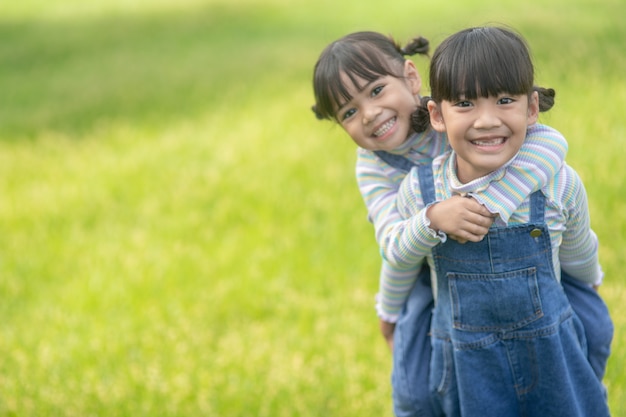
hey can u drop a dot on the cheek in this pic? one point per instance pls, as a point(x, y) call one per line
point(354, 132)
point(350, 129)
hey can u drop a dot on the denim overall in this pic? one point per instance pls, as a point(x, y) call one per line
point(505, 339)
point(412, 344)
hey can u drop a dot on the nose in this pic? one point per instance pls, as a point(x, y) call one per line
point(370, 112)
point(487, 118)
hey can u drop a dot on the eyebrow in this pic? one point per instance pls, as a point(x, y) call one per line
point(340, 106)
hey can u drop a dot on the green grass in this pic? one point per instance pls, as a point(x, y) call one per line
point(179, 235)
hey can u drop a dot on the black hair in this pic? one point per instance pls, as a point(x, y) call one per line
point(481, 62)
point(364, 55)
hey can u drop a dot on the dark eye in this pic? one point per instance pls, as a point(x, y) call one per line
point(347, 114)
point(506, 100)
point(463, 103)
point(377, 90)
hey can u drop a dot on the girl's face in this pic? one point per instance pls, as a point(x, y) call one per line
point(485, 133)
point(378, 117)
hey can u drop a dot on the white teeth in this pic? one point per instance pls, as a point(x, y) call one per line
point(385, 128)
point(490, 142)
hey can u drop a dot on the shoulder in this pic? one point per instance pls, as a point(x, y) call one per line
point(566, 188)
point(369, 167)
point(426, 146)
point(367, 160)
point(546, 137)
point(540, 128)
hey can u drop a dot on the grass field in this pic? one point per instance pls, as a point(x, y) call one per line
point(180, 237)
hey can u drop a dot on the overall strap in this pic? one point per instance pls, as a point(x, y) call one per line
point(427, 183)
point(537, 207)
point(425, 171)
point(396, 161)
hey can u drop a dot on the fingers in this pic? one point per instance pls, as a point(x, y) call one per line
point(471, 231)
point(474, 221)
point(387, 329)
point(486, 213)
point(481, 222)
point(467, 237)
point(458, 239)
point(475, 224)
point(478, 208)
point(481, 210)
point(465, 218)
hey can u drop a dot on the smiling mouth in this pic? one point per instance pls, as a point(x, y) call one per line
point(385, 127)
point(489, 142)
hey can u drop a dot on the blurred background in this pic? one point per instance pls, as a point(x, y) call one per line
point(179, 236)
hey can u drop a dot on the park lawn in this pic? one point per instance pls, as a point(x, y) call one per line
point(181, 237)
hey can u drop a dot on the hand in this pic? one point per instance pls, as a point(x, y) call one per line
point(458, 239)
point(387, 330)
point(463, 219)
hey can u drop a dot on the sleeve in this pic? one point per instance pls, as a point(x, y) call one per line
point(539, 159)
point(394, 287)
point(409, 240)
point(403, 257)
point(578, 252)
point(378, 185)
point(404, 246)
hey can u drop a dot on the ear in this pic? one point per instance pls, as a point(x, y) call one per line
point(412, 77)
point(436, 117)
point(533, 108)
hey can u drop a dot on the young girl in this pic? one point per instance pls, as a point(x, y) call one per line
point(505, 339)
point(366, 72)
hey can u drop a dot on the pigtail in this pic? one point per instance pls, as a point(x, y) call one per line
point(546, 97)
point(420, 118)
point(317, 113)
point(417, 45)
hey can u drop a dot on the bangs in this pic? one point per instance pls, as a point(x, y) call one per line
point(481, 63)
point(357, 63)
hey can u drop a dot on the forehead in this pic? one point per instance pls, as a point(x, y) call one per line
point(349, 86)
point(352, 82)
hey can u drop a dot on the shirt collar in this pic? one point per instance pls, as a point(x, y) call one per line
point(474, 186)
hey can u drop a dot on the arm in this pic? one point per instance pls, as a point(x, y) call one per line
point(410, 240)
point(407, 241)
point(537, 162)
point(463, 219)
point(578, 252)
point(379, 181)
point(378, 184)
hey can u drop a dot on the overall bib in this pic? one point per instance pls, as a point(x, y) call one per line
point(412, 344)
point(505, 339)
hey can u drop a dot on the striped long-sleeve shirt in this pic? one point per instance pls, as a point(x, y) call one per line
point(539, 159)
point(574, 245)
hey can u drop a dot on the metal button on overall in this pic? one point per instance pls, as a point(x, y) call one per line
point(535, 232)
